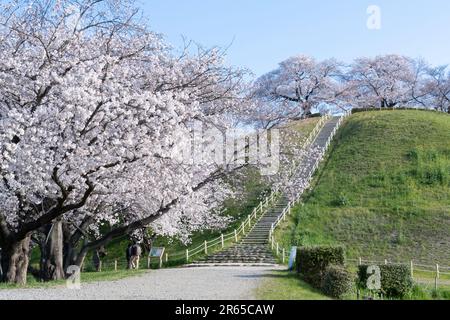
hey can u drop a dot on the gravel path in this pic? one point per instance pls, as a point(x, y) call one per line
point(206, 283)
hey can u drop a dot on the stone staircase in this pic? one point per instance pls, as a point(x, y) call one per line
point(253, 250)
point(326, 131)
point(309, 162)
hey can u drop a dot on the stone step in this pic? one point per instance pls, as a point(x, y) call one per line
point(258, 232)
point(239, 254)
point(241, 261)
point(256, 242)
point(238, 258)
point(258, 237)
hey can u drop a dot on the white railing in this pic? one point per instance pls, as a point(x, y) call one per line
point(308, 142)
point(287, 211)
point(423, 272)
point(415, 266)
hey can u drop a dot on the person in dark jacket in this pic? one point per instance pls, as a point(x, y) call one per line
point(135, 254)
point(99, 254)
point(128, 255)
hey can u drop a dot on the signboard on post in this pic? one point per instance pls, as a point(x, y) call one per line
point(156, 253)
point(292, 256)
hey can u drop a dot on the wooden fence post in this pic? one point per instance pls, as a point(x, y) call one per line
point(437, 271)
point(206, 247)
point(278, 250)
point(235, 235)
point(412, 269)
point(360, 261)
point(221, 238)
point(148, 262)
point(115, 265)
point(385, 261)
point(284, 253)
point(167, 257)
point(243, 228)
point(187, 255)
point(100, 266)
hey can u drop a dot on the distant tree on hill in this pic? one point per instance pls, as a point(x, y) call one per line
point(438, 86)
point(381, 82)
point(297, 87)
point(302, 85)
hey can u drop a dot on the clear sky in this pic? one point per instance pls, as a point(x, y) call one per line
point(265, 32)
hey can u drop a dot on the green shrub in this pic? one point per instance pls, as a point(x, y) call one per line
point(396, 281)
point(313, 262)
point(342, 200)
point(338, 282)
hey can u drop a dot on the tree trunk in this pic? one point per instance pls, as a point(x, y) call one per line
point(52, 263)
point(70, 255)
point(81, 257)
point(307, 110)
point(15, 260)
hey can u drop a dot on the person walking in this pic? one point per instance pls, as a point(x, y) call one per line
point(136, 252)
point(97, 258)
point(128, 255)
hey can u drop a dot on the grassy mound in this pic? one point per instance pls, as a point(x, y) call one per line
point(383, 191)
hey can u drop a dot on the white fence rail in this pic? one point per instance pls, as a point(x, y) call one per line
point(234, 236)
point(308, 142)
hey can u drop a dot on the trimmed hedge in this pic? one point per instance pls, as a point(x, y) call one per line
point(396, 281)
point(338, 282)
point(313, 262)
point(358, 110)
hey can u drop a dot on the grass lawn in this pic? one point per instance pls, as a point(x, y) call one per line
point(285, 285)
point(383, 190)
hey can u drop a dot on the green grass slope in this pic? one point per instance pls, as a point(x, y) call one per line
point(383, 190)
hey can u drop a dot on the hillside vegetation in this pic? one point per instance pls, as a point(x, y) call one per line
point(383, 190)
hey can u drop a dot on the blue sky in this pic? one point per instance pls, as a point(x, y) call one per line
point(265, 32)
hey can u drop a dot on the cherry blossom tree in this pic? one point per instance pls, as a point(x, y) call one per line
point(381, 82)
point(437, 85)
point(94, 108)
point(299, 85)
